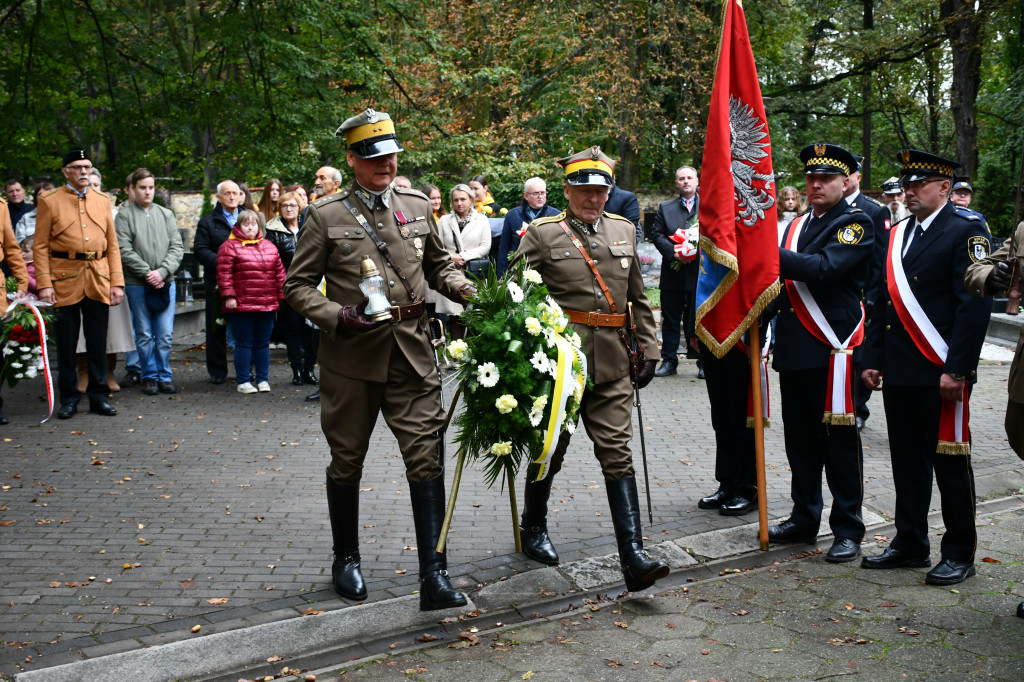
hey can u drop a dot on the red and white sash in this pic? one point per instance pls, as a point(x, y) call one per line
point(839, 408)
point(954, 432)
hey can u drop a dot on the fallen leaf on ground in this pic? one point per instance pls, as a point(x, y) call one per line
point(217, 600)
point(426, 638)
point(528, 675)
point(273, 659)
point(889, 603)
point(612, 663)
point(312, 612)
point(621, 624)
point(185, 584)
point(990, 560)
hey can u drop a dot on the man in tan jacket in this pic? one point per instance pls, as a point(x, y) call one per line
point(78, 268)
point(377, 367)
point(587, 259)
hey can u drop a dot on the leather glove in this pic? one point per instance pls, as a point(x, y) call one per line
point(353, 320)
point(467, 292)
point(999, 279)
point(646, 373)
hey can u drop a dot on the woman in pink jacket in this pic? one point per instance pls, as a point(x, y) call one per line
point(251, 279)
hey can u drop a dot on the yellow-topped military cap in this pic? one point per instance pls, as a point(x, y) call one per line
point(827, 159)
point(919, 165)
point(370, 134)
point(589, 167)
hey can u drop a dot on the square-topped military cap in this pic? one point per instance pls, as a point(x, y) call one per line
point(370, 134)
point(589, 167)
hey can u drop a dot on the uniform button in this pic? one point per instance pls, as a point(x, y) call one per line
point(86, 239)
point(393, 302)
point(82, 212)
point(392, 282)
point(416, 231)
point(889, 303)
point(915, 279)
point(599, 294)
point(83, 227)
point(566, 254)
point(593, 245)
point(380, 224)
point(790, 310)
point(598, 310)
point(888, 327)
point(973, 373)
point(346, 234)
point(596, 261)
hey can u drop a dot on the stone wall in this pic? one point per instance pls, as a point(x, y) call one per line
point(187, 207)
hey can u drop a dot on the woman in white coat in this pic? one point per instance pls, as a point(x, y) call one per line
point(466, 235)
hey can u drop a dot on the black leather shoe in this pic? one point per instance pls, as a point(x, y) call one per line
point(67, 411)
point(106, 409)
point(787, 531)
point(537, 545)
point(296, 375)
point(668, 368)
point(437, 592)
point(309, 378)
point(149, 387)
point(737, 506)
point(348, 578)
point(700, 372)
point(216, 380)
point(313, 397)
point(950, 572)
point(4, 421)
point(1020, 610)
point(166, 387)
point(131, 379)
point(715, 500)
point(895, 558)
point(843, 550)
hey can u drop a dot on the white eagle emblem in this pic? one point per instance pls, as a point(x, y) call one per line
point(746, 131)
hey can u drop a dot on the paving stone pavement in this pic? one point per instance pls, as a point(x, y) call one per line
point(796, 618)
point(207, 507)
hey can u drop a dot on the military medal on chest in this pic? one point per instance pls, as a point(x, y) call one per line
point(417, 244)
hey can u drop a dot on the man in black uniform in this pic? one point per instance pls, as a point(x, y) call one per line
point(678, 277)
point(881, 223)
point(825, 261)
point(924, 340)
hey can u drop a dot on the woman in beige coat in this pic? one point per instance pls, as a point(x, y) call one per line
point(466, 235)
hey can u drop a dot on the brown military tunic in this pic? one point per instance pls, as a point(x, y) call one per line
point(11, 254)
point(607, 407)
point(67, 223)
point(974, 280)
point(389, 369)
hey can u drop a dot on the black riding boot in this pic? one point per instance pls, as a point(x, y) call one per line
point(533, 531)
point(296, 375)
point(436, 591)
point(309, 378)
point(639, 569)
point(343, 506)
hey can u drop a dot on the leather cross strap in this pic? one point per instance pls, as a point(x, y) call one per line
point(593, 266)
point(381, 246)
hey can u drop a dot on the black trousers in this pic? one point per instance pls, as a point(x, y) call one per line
point(678, 317)
point(811, 447)
point(89, 317)
point(727, 380)
point(913, 416)
point(216, 336)
point(302, 340)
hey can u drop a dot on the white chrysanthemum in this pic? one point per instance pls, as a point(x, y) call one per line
point(221, 321)
point(531, 275)
point(533, 326)
point(19, 376)
point(458, 350)
point(540, 362)
point(540, 402)
point(577, 394)
point(501, 448)
point(39, 364)
point(31, 372)
point(515, 291)
point(535, 417)
point(17, 365)
point(574, 339)
point(487, 374)
point(549, 336)
point(506, 403)
point(571, 427)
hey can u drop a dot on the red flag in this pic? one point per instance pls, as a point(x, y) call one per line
point(739, 271)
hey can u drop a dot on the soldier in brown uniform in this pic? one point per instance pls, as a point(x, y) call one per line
point(988, 277)
point(369, 367)
point(561, 249)
point(78, 267)
point(10, 256)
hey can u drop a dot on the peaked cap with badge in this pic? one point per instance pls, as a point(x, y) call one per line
point(589, 167)
point(962, 183)
point(827, 159)
point(919, 165)
point(892, 186)
point(370, 134)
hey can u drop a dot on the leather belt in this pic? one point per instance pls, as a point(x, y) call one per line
point(593, 319)
point(411, 311)
point(79, 255)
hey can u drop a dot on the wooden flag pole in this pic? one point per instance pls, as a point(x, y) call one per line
point(755, 384)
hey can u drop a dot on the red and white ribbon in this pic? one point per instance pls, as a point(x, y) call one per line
point(839, 408)
point(33, 303)
point(954, 430)
point(765, 407)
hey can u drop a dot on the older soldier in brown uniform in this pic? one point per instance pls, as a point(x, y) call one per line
point(78, 267)
point(369, 367)
point(588, 261)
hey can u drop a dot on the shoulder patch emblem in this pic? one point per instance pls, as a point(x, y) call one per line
point(977, 248)
point(851, 234)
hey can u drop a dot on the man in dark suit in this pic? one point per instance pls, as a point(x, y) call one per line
point(678, 277)
point(624, 203)
point(880, 221)
point(825, 261)
point(924, 341)
point(534, 205)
